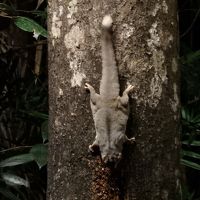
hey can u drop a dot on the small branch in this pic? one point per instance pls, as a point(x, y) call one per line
point(42, 42)
point(6, 16)
point(192, 24)
point(15, 148)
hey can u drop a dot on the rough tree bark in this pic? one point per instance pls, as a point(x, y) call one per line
point(146, 52)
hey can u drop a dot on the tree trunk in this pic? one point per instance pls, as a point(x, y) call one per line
point(146, 52)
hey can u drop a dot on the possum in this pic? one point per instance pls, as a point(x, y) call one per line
point(110, 111)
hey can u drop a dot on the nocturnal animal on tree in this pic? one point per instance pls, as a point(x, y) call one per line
point(110, 111)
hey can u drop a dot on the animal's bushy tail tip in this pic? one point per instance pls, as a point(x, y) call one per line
point(107, 21)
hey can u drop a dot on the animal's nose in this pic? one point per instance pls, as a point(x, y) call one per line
point(111, 158)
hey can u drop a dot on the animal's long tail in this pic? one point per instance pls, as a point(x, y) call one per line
point(109, 86)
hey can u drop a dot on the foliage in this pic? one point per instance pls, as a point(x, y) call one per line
point(25, 23)
point(30, 25)
point(190, 132)
point(37, 153)
point(14, 186)
point(23, 100)
point(189, 15)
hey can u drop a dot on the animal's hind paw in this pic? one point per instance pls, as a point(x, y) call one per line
point(94, 149)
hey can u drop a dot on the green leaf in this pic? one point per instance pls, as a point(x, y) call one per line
point(190, 164)
point(190, 154)
point(44, 130)
point(39, 152)
point(8, 194)
point(12, 179)
point(30, 25)
point(17, 160)
point(183, 113)
point(193, 143)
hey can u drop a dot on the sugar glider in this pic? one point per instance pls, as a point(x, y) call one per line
point(110, 111)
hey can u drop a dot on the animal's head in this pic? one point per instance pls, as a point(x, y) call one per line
point(111, 149)
point(110, 125)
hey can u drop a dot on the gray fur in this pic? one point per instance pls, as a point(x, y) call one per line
point(110, 111)
point(109, 87)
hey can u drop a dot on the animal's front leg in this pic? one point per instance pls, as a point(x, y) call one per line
point(93, 95)
point(90, 88)
point(94, 98)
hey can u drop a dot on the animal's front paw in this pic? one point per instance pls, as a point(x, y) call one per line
point(88, 87)
point(91, 149)
point(131, 140)
point(129, 89)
